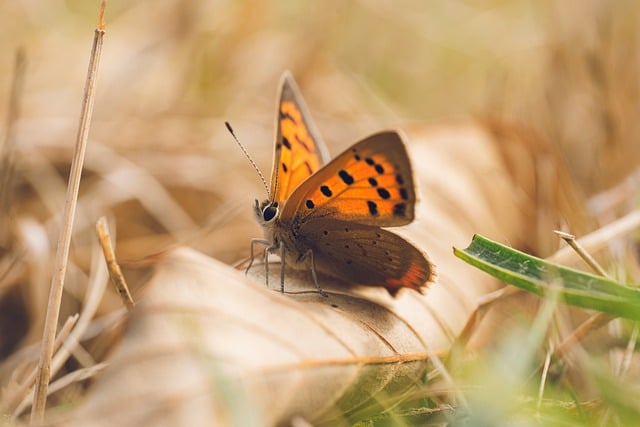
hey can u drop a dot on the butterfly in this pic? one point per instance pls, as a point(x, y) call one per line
point(326, 215)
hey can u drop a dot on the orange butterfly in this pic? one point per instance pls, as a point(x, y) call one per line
point(327, 216)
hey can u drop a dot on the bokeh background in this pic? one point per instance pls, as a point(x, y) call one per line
point(173, 70)
point(164, 170)
point(161, 165)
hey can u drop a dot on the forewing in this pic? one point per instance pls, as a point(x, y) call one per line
point(299, 150)
point(370, 183)
point(367, 255)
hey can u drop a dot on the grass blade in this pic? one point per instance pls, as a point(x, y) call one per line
point(64, 239)
point(538, 276)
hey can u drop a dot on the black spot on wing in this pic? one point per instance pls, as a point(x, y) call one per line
point(310, 204)
point(377, 166)
point(373, 182)
point(399, 209)
point(286, 116)
point(404, 194)
point(326, 191)
point(384, 193)
point(345, 177)
point(286, 143)
point(309, 168)
point(304, 144)
point(373, 208)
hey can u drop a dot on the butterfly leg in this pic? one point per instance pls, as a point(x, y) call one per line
point(268, 246)
point(266, 266)
point(282, 254)
point(309, 256)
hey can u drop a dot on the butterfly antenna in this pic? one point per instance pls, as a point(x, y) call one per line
point(246, 153)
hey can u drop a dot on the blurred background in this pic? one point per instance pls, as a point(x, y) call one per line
point(160, 163)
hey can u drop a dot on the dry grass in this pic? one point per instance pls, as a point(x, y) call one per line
point(162, 167)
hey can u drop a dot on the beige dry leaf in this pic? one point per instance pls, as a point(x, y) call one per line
point(208, 345)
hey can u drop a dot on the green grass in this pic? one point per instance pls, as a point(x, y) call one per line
point(581, 387)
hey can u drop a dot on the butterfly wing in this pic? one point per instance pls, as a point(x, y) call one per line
point(367, 255)
point(299, 149)
point(370, 183)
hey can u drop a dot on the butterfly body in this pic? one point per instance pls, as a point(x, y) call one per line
point(326, 216)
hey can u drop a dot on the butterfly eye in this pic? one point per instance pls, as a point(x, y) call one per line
point(270, 212)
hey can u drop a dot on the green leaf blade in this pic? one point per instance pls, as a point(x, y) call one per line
point(538, 276)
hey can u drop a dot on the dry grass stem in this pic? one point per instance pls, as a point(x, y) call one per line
point(75, 376)
point(576, 246)
point(95, 291)
point(64, 240)
point(82, 356)
point(115, 273)
point(68, 346)
point(628, 354)
point(594, 322)
point(543, 376)
point(13, 402)
point(601, 237)
point(474, 319)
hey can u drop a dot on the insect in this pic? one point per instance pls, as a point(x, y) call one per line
point(326, 216)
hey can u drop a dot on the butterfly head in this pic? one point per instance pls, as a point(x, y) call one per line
point(267, 212)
